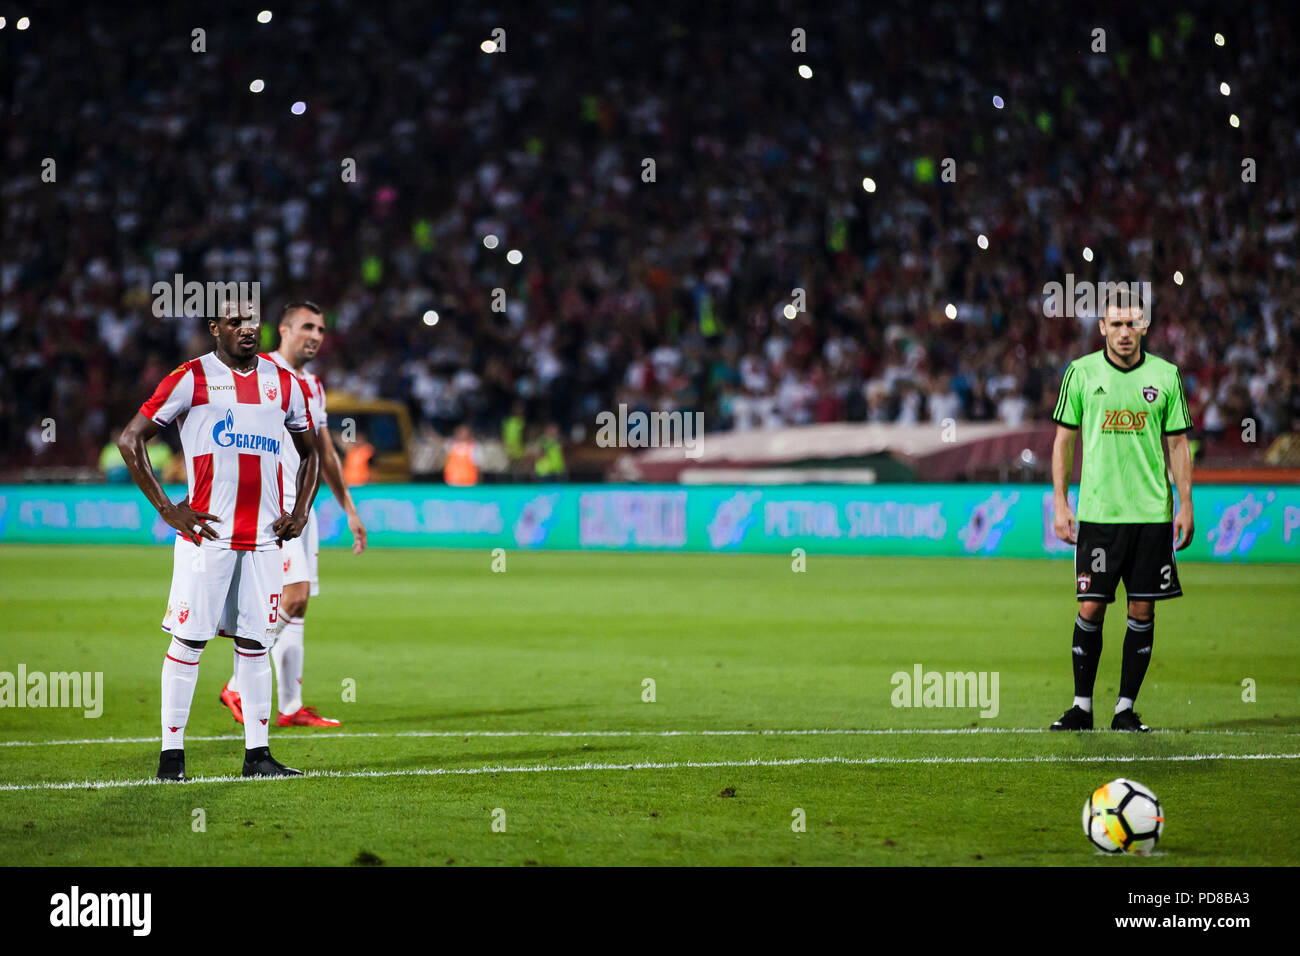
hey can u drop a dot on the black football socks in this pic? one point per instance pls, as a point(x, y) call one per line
point(1137, 656)
point(1087, 655)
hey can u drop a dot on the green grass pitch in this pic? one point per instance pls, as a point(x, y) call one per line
point(516, 698)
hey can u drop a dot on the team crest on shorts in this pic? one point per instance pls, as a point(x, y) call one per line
point(183, 613)
point(1150, 392)
point(1084, 581)
point(286, 565)
point(271, 392)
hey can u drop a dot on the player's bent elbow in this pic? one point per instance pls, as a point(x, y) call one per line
point(129, 442)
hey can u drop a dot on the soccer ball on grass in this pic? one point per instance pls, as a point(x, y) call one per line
point(1123, 817)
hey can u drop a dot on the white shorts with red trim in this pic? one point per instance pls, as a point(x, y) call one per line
point(219, 591)
point(301, 556)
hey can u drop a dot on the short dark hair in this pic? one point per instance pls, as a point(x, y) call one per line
point(1123, 296)
point(299, 304)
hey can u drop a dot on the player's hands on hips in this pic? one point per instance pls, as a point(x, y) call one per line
point(1066, 527)
point(287, 527)
point(1184, 528)
point(190, 523)
point(358, 533)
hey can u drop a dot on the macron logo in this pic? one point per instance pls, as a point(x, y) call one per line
point(103, 909)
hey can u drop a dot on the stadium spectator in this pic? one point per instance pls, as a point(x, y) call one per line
point(667, 294)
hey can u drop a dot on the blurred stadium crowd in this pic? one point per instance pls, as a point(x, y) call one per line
point(666, 294)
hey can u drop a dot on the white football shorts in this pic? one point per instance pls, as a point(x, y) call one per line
point(216, 591)
point(301, 556)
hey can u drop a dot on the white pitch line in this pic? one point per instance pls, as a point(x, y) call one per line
point(449, 734)
point(645, 765)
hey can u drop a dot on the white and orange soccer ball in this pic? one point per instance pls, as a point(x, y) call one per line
point(1123, 817)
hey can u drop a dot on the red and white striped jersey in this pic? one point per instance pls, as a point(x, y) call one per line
point(232, 436)
point(314, 389)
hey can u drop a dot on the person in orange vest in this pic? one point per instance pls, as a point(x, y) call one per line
point(356, 461)
point(461, 468)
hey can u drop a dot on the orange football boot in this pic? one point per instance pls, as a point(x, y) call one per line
point(230, 699)
point(305, 717)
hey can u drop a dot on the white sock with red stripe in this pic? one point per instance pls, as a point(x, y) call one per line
point(287, 655)
point(180, 672)
point(253, 668)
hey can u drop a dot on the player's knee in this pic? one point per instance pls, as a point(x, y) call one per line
point(294, 607)
point(1094, 612)
point(1142, 610)
point(249, 644)
point(197, 645)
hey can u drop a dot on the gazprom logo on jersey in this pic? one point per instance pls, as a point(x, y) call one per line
point(224, 434)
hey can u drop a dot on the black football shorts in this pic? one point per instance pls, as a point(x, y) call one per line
point(1140, 555)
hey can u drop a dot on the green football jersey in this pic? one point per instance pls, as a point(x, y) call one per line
point(1124, 415)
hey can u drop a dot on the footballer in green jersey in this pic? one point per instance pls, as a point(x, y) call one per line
point(1128, 405)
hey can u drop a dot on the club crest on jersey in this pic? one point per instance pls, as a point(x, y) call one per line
point(1085, 580)
point(1150, 392)
point(272, 391)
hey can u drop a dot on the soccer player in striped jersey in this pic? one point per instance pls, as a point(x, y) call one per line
point(302, 329)
point(1127, 403)
point(227, 569)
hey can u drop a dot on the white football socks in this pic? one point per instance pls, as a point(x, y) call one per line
point(254, 672)
point(287, 655)
point(1084, 704)
point(233, 683)
point(180, 672)
point(1125, 703)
